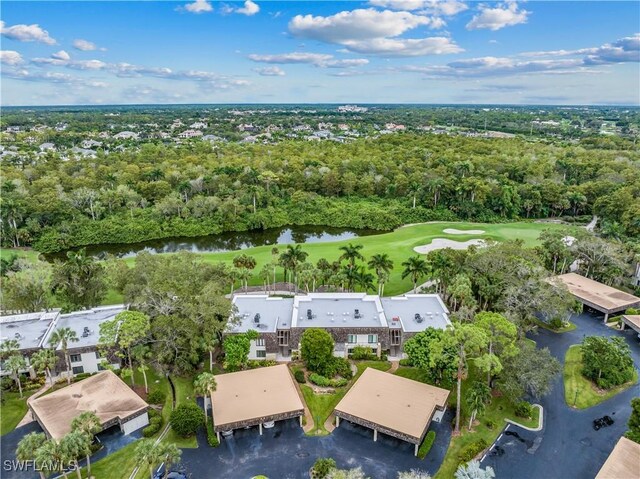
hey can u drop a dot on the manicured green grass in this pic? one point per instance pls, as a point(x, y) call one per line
point(118, 465)
point(398, 245)
point(499, 409)
point(184, 393)
point(569, 327)
point(13, 410)
point(580, 392)
point(322, 405)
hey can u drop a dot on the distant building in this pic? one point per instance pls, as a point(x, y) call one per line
point(189, 134)
point(352, 109)
point(126, 135)
point(47, 147)
point(91, 144)
point(352, 319)
point(83, 152)
point(198, 125)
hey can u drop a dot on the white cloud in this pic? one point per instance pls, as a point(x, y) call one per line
point(270, 71)
point(374, 32)
point(26, 33)
point(322, 60)
point(10, 57)
point(85, 45)
point(504, 15)
point(434, 7)
point(250, 8)
point(61, 55)
point(199, 6)
point(405, 47)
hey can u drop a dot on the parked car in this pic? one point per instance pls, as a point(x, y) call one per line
point(227, 433)
point(268, 425)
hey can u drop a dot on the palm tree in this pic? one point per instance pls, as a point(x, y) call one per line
point(15, 364)
point(170, 454)
point(62, 337)
point(54, 456)
point(28, 447)
point(364, 279)
point(477, 398)
point(88, 424)
point(382, 265)
point(75, 445)
point(350, 276)
point(415, 267)
point(8, 347)
point(204, 385)
point(351, 253)
point(45, 361)
point(147, 451)
point(291, 258)
point(142, 353)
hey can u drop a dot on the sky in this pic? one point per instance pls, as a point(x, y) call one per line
point(375, 51)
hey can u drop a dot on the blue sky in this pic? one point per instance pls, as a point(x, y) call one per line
point(376, 51)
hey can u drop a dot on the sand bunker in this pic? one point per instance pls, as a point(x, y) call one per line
point(453, 231)
point(441, 243)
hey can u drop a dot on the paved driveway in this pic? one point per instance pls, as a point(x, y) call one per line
point(568, 447)
point(285, 452)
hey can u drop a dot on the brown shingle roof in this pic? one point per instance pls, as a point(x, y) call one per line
point(393, 402)
point(105, 394)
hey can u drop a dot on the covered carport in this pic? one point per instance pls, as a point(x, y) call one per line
point(631, 320)
point(254, 397)
point(596, 295)
point(623, 462)
point(393, 405)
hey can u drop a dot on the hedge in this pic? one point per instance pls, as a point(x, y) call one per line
point(425, 447)
point(212, 439)
point(471, 450)
point(156, 396)
point(322, 381)
point(299, 375)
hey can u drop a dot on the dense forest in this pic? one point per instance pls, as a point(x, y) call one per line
point(158, 191)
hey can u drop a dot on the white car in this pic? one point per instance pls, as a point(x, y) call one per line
point(268, 425)
point(227, 433)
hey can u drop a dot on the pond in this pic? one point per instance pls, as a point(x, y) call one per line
point(230, 241)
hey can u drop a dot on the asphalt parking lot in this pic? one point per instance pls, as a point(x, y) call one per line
point(568, 447)
point(285, 452)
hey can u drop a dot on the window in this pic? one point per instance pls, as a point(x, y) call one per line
point(78, 370)
point(352, 338)
point(97, 354)
point(75, 358)
point(261, 354)
point(373, 338)
point(101, 367)
point(260, 342)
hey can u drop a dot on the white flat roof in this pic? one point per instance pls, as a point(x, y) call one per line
point(274, 312)
point(31, 330)
point(333, 310)
point(416, 312)
point(86, 324)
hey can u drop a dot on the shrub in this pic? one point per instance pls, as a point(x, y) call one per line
point(406, 362)
point(490, 424)
point(471, 450)
point(156, 420)
point(523, 409)
point(425, 447)
point(150, 430)
point(6, 383)
point(322, 467)
point(152, 413)
point(186, 419)
point(82, 376)
point(156, 396)
point(607, 361)
point(322, 381)
point(212, 439)
point(316, 348)
point(556, 323)
point(260, 363)
point(341, 367)
point(299, 375)
point(362, 352)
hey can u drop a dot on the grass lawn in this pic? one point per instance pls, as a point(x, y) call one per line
point(13, 410)
point(398, 244)
point(579, 392)
point(564, 329)
point(184, 393)
point(496, 412)
point(322, 405)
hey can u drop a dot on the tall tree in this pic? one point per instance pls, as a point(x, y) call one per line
point(382, 266)
point(88, 424)
point(125, 331)
point(14, 365)
point(415, 267)
point(149, 453)
point(62, 337)
point(502, 335)
point(351, 253)
point(531, 371)
point(79, 282)
point(468, 341)
point(28, 447)
point(204, 385)
point(76, 444)
point(477, 398)
point(44, 361)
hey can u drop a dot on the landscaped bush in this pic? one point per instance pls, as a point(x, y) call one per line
point(152, 413)
point(406, 362)
point(212, 439)
point(150, 430)
point(425, 447)
point(82, 376)
point(322, 467)
point(299, 375)
point(156, 396)
point(606, 361)
point(260, 363)
point(325, 382)
point(523, 409)
point(341, 367)
point(472, 449)
point(490, 424)
point(186, 419)
point(556, 323)
point(362, 352)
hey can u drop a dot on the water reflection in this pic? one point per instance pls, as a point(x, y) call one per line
point(230, 241)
